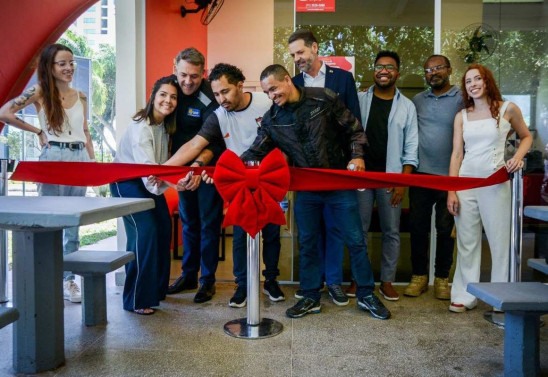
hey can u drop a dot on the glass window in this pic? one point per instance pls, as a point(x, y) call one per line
point(361, 28)
point(508, 36)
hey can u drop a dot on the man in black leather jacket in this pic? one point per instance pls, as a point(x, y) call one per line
point(306, 124)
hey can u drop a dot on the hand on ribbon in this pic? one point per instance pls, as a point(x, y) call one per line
point(252, 193)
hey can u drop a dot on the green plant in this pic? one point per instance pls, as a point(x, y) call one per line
point(93, 238)
point(91, 234)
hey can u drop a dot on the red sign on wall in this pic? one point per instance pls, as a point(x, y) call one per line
point(315, 5)
point(343, 62)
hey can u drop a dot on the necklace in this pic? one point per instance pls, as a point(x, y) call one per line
point(68, 127)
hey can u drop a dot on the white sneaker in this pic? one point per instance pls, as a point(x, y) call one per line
point(71, 291)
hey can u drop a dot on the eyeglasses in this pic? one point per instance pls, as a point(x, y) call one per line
point(435, 69)
point(65, 64)
point(388, 67)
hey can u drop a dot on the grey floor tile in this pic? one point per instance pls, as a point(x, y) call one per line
point(186, 339)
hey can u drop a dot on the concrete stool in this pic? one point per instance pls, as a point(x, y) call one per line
point(93, 266)
point(523, 304)
point(8, 315)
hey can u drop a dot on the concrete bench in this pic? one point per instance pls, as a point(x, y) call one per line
point(523, 304)
point(93, 266)
point(7, 316)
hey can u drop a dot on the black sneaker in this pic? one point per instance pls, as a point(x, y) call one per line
point(239, 300)
point(304, 307)
point(374, 306)
point(273, 291)
point(337, 295)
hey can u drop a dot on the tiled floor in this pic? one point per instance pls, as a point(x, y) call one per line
point(185, 339)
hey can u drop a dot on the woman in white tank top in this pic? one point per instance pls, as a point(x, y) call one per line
point(63, 132)
point(479, 139)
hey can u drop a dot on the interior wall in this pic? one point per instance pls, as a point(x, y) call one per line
point(242, 34)
point(167, 33)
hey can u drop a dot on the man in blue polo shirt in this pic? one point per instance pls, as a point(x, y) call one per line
point(200, 209)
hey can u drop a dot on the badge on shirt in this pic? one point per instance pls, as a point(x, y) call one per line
point(195, 113)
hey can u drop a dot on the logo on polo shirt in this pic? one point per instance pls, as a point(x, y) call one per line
point(192, 112)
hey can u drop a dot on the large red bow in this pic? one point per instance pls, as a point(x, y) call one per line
point(252, 193)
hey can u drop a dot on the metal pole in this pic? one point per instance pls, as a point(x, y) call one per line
point(516, 226)
point(253, 281)
point(3, 236)
point(253, 327)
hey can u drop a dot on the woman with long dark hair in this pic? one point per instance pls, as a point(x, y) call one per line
point(146, 141)
point(63, 132)
point(479, 140)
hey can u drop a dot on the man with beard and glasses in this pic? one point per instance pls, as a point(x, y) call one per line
point(390, 122)
point(436, 109)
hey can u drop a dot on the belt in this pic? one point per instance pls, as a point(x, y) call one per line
point(75, 146)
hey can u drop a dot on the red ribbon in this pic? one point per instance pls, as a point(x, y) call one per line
point(95, 173)
point(307, 179)
point(252, 193)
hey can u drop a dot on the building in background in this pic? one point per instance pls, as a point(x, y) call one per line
point(97, 24)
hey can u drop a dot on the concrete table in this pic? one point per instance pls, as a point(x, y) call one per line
point(538, 264)
point(539, 213)
point(523, 304)
point(536, 212)
point(37, 224)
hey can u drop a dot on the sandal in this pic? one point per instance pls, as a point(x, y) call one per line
point(146, 311)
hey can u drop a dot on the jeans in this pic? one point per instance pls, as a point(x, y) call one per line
point(149, 237)
point(390, 226)
point(343, 205)
point(271, 253)
point(421, 201)
point(201, 213)
point(331, 239)
point(71, 240)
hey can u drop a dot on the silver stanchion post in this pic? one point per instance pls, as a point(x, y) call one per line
point(253, 280)
point(3, 236)
point(253, 327)
point(516, 226)
point(515, 241)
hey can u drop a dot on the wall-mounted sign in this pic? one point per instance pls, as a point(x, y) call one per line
point(315, 5)
point(343, 62)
